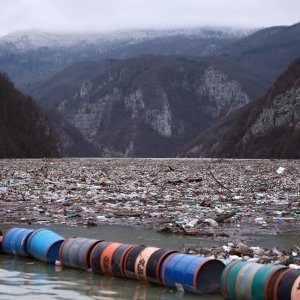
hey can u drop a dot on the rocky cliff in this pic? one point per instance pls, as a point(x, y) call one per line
point(266, 128)
point(150, 105)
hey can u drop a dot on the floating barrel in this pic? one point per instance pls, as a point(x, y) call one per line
point(15, 241)
point(271, 292)
point(96, 255)
point(141, 262)
point(260, 280)
point(154, 263)
point(117, 263)
point(248, 280)
point(106, 258)
point(75, 252)
point(288, 287)
point(129, 261)
point(192, 273)
point(44, 245)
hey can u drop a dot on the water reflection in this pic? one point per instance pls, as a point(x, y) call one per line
point(29, 279)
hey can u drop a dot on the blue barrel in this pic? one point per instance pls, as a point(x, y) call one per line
point(192, 273)
point(44, 245)
point(15, 241)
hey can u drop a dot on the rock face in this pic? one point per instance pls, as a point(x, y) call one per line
point(24, 131)
point(266, 128)
point(148, 106)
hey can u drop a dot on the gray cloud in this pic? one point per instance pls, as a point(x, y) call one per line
point(108, 15)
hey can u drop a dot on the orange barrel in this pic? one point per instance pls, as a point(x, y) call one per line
point(141, 262)
point(117, 262)
point(154, 263)
point(75, 252)
point(106, 258)
point(96, 254)
point(129, 261)
point(289, 286)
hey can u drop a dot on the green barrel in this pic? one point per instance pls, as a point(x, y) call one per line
point(261, 280)
point(223, 282)
point(244, 280)
point(232, 278)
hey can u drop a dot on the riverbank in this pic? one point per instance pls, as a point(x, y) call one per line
point(217, 199)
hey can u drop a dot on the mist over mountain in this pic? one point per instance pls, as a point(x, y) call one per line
point(31, 57)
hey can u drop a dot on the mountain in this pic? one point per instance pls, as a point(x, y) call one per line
point(31, 57)
point(268, 51)
point(266, 128)
point(149, 105)
point(24, 131)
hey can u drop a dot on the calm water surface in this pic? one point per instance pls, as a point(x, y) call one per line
point(22, 278)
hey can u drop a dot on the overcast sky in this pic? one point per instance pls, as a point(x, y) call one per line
point(108, 15)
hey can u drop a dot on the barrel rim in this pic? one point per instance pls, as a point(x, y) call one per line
point(126, 258)
point(267, 282)
point(152, 251)
point(160, 262)
point(276, 285)
point(25, 240)
point(114, 246)
point(94, 250)
point(32, 236)
point(227, 271)
point(164, 266)
point(196, 272)
point(62, 246)
point(123, 259)
point(89, 252)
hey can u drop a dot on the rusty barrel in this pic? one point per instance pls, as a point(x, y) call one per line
point(248, 280)
point(261, 280)
point(141, 262)
point(75, 252)
point(118, 257)
point(192, 273)
point(154, 264)
point(44, 244)
point(288, 286)
point(106, 258)
point(96, 255)
point(15, 241)
point(130, 259)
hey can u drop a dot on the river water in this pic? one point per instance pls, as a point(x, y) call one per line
point(30, 279)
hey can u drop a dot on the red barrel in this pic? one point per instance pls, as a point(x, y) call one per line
point(141, 262)
point(129, 261)
point(117, 263)
point(95, 256)
point(154, 264)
